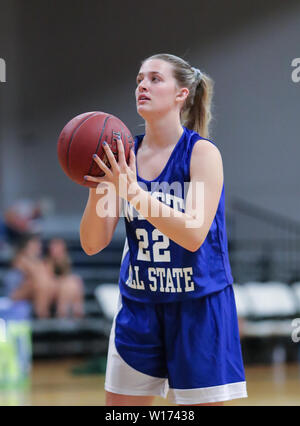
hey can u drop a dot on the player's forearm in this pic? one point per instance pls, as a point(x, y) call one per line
point(180, 227)
point(95, 231)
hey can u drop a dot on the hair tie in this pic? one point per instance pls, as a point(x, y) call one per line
point(198, 74)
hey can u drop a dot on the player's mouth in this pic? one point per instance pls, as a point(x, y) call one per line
point(142, 99)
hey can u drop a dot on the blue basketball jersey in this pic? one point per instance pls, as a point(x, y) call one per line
point(156, 269)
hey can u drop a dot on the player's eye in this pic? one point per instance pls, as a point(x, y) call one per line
point(140, 79)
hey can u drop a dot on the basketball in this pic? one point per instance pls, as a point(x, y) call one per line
point(82, 137)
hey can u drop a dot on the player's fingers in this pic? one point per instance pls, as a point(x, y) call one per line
point(110, 156)
point(121, 153)
point(96, 179)
point(132, 163)
point(102, 165)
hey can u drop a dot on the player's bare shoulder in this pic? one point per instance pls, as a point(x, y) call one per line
point(204, 147)
point(206, 155)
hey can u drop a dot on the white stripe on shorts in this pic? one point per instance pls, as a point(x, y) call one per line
point(210, 394)
point(123, 379)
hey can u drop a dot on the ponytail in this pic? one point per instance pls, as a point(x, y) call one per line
point(197, 115)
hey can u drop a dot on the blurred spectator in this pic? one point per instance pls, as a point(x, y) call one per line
point(24, 216)
point(69, 286)
point(29, 279)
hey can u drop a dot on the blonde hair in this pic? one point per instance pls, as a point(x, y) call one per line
point(196, 112)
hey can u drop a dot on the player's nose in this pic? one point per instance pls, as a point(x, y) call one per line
point(143, 86)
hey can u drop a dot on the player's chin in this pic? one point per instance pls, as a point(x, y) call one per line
point(142, 106)
point(143, 111)
point(147, 112)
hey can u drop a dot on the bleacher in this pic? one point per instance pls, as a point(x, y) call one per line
point(54, 337)
point(267, 312)
point(264, 249)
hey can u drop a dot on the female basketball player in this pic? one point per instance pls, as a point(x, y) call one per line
point(176, 327)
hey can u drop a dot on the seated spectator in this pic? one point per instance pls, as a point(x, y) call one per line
point(24, 217)
point(69, 286)
point(28, 278)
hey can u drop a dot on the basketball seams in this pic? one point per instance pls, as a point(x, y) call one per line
point(73, 134)
point(99, 140)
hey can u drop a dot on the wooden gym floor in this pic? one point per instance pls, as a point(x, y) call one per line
point(52, 384)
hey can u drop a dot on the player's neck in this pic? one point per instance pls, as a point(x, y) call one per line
point(163, 132)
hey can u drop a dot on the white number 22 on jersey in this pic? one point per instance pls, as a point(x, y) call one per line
point(144, 253)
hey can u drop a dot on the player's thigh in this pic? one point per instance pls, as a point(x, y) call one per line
point(126, 400)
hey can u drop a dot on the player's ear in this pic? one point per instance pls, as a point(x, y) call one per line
point(182, 94)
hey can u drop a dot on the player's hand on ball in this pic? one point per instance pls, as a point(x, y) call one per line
point(121, 174)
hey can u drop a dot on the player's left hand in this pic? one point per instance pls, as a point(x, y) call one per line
point(121, 174)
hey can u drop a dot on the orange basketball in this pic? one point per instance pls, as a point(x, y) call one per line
point(83, 136)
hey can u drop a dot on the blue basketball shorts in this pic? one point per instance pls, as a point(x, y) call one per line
point(188, 352)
